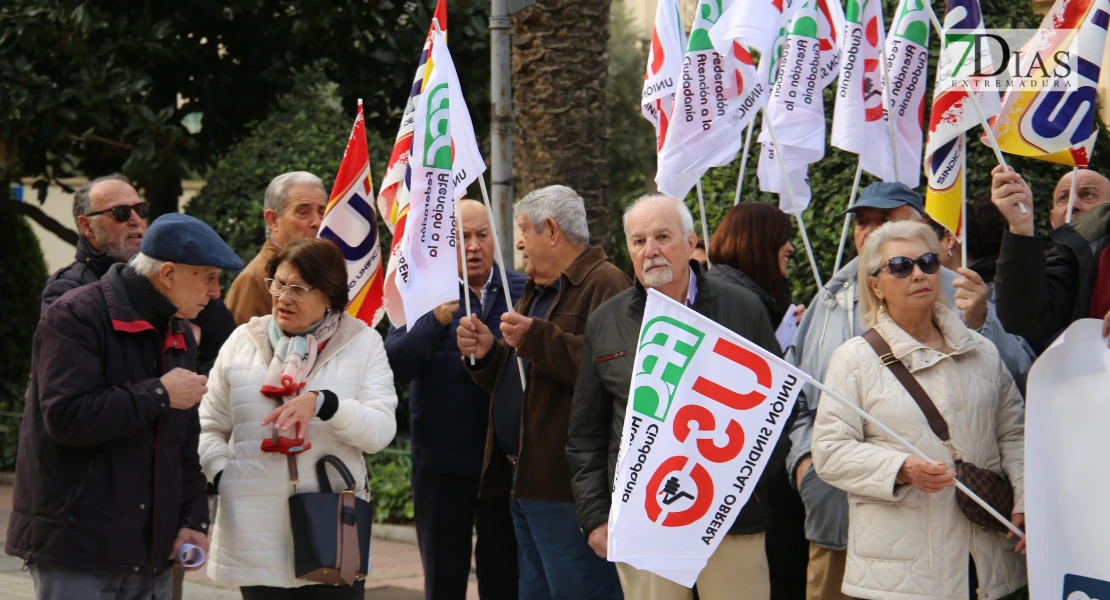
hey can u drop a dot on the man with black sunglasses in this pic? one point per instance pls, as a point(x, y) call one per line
point(832, 319)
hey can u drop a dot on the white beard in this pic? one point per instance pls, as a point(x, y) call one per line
point(657, 277)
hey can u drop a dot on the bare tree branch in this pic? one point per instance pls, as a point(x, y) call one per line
point(37, 215)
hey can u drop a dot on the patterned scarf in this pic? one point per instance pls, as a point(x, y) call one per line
point(295, 355)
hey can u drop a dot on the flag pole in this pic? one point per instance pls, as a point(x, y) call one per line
point(1071, 194)
point(963, 202)
point(743, 162)
point(847, 218)
point(918, 453)
point(459, 240)
point(704, 227)
point(794, 203)
point(887, 104)
point(504, 278)
point(974, 101)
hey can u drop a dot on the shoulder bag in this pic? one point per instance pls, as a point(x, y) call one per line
point(331, 531)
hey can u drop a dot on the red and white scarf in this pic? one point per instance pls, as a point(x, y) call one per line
point(295, 355)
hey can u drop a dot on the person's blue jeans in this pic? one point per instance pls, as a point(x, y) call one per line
point(555, 561)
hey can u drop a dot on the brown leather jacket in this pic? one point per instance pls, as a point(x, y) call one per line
point(552, 347)
point(247, 297)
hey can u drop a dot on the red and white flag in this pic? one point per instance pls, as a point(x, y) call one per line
point(351, 223)
point(860, 122)
point(907, 52)
point(664, 68)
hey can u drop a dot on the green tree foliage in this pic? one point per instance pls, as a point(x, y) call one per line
point(158, 89)
point(307, 131)
point(831, 178)
point(23, 275)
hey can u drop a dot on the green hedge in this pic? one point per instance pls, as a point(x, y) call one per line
point(390, 474)
point(23, 275)
point(831, 178)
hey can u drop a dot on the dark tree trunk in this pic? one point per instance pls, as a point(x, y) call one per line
point(560, 72)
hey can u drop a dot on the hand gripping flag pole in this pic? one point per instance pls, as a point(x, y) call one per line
point(459, 240)
point(504, 278)
point(918, 453)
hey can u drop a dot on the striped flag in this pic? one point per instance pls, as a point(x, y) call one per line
point(350, 222)
point(1056, 123)
point(664, 68)
point(952, 114)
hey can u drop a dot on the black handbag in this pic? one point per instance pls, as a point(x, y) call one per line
point(992, 487)
point(331, 531)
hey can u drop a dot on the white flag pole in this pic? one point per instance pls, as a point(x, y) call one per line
point(963, 203)
point(794, 203)
point(974, 101)
point(887, 104)
point(743, 163)
point(504, 278)
point(459, 240)
point(704, 226)
point(918, 453)
point(847, 218)
point(1071, 194)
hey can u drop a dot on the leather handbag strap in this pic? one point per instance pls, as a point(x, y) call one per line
point(908, 381)
point(349, 553)
point(322, 473)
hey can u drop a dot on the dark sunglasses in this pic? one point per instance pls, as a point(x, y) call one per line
point(122, 213)
point(901, 267)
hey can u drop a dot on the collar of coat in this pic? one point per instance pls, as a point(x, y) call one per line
point(98, 262)
point(706, 295)
point(258, 330)
point(576, 273)
point(124, 302)
point(916, 355)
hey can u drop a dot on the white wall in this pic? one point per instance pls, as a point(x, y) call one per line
point(59, 206)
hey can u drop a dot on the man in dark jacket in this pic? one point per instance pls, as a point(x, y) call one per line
point(1040, 293)
point(448, 417)
point(108, 485)
point(660, 234)
point(111, 221)
point(527, 435)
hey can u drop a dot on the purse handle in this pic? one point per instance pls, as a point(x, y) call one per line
point(322, 473)
point(918, 393)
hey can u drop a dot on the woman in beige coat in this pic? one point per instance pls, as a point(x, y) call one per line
point(907, 538)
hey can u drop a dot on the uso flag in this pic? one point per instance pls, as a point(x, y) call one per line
point(351, 223)
point(705, 411)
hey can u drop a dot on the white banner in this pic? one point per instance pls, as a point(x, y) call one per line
point(664, 68)
point(427, 272)
point(1066, 445)
point(705, 410)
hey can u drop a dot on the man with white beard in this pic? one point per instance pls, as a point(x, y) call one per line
point(660, 234)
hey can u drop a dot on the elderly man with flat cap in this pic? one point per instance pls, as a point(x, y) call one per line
point(832, 319)
point(108, 485)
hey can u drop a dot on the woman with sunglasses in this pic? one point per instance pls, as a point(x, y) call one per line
point(907, 538)
point(308, 380)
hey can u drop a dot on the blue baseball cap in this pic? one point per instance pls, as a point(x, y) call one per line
point(179, 238)
point(885, 195)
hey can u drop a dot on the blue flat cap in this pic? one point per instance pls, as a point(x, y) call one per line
point(886, 195)
point(179, 238)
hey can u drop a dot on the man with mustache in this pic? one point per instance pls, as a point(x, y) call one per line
point(660, 234)
point(567, 280)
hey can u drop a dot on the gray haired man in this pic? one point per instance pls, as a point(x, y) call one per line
point(294, 207)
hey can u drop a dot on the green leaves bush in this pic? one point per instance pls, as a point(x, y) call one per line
point(391, 482)
point(23, 275)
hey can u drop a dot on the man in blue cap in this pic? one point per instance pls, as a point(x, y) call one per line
point(108, 485)
point(832, 319)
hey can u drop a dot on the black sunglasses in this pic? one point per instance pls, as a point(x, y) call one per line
point(901, 267)
point(122, 213)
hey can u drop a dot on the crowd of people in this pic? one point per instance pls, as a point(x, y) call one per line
point(153, 407)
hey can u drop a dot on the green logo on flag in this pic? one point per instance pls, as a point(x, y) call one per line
point(911, 24)
point(666, 348)
point(437, 134)
point(704, 19)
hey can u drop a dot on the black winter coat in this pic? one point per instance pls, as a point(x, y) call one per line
point(107, 472)
point(729, 274)
point(448, 412)
point(601, 394)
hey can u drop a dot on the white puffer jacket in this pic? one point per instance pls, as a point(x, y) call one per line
point(251, 542)
point(905, 544)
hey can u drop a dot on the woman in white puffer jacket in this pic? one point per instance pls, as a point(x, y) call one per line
point(907, 538)
point(309, 367)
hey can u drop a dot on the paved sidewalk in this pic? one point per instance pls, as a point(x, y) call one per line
point(396, 571)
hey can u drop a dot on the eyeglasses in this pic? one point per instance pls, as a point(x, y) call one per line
point(297, 292)
point(122, 212)
point(901, 267)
